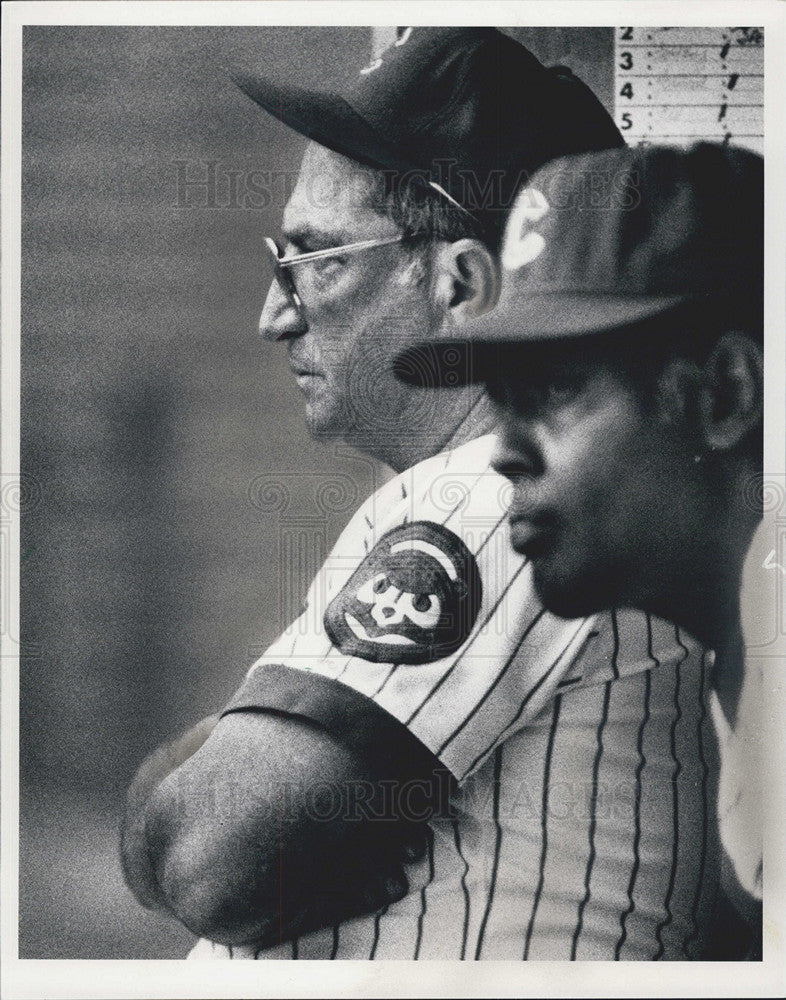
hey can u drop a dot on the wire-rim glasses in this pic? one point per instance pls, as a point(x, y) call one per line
point(282, 263)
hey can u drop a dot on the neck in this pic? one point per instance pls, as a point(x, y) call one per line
point(463, 415)
point(705, 602)
point(704, 596)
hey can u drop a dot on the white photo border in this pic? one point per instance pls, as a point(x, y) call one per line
point(178, 979)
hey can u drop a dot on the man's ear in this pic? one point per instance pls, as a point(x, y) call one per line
point(731, 399)
point(467, 279)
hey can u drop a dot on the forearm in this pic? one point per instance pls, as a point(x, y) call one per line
point(135, 857)
point(257, 836)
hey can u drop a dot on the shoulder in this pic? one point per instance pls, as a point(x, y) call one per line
point(471, 457)
point(431, 488)
point(459, 480)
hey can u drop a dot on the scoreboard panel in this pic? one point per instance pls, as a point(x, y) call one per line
point(681, 85)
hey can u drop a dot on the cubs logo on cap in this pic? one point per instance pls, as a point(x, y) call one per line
point(523, 243)
point(413, 599)
point(634, 240)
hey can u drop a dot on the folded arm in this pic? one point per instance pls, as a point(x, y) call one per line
point(271, 828)
point(134, 853)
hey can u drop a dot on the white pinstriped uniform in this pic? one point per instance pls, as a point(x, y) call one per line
point(583, 824)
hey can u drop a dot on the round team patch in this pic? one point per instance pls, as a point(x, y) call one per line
point(413, 599)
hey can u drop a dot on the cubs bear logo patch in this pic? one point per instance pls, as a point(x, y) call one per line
point(413, 599)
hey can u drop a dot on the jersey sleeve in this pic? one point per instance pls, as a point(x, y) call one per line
point(422, 631)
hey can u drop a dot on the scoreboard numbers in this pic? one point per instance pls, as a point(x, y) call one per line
point(681, 85)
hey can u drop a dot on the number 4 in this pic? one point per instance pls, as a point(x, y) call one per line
point(627, 90)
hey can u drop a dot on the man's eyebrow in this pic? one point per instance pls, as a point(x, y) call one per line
point(306, 237)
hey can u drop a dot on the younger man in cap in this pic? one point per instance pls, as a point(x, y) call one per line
point(625, 362)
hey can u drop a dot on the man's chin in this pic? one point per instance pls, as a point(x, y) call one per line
point(327, 427)
point(321, 425)
point(322, 432)
point(566, 596)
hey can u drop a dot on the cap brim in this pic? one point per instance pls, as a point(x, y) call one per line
point(535, 319)
point(326, 118)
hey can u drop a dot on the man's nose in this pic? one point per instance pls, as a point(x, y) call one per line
point(516, 455)
point(280, 319)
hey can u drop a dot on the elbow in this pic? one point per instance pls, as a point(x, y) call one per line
point(207, 906)
point(203, 881)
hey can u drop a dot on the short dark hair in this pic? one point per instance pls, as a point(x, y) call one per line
point(421, 211)
point(638, 353)
point(686, 332)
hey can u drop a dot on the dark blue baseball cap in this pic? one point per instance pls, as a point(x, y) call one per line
point(468, 111)
point(624, 240)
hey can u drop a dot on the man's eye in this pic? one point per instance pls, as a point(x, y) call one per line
point(327, 270)
point(328, 263)
point(537, 394)
point(562, 388)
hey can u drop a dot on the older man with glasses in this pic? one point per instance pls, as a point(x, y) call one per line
point(379, 785)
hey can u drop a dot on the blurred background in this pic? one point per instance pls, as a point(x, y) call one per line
point(175, 508)
point(162, 438)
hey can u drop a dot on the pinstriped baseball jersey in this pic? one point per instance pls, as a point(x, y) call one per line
point(582, 824)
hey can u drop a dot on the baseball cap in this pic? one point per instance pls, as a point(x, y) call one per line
point(611, 240)
point(468, 110)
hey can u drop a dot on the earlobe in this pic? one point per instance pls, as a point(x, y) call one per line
point(732, 401)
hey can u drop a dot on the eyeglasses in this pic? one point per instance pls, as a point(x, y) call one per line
point(282, 263)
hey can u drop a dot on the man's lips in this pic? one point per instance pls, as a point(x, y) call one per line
point(530, 537)
point(306, 376)
point(303, 369)
point(304, 366)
